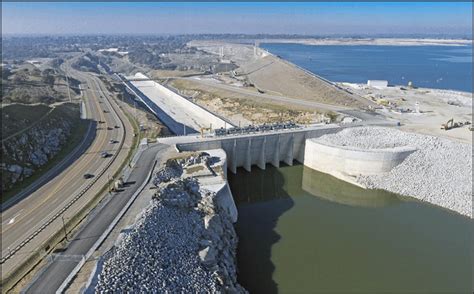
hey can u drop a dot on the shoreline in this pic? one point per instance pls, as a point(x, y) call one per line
point(440, 185)
point(338, 84)
point(441, 90)
point(372, 41)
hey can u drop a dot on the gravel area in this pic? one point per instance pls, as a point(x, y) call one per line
point(182, 243)
point(439, 172)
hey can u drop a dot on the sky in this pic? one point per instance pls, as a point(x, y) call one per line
point(313, 18)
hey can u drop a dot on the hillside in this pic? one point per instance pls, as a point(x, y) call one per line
point(26, 83)
point(33, 136)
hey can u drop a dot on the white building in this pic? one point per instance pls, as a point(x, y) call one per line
point(379, 84)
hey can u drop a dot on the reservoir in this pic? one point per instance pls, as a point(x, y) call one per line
point(440, 67)
point(301, 231)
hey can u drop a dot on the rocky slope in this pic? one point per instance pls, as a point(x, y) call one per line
point(182, 243)
point(439, 172)
point(31, 136)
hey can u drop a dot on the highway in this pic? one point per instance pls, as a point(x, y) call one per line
point(28, 216)
point(49, 280)
point(53, 172)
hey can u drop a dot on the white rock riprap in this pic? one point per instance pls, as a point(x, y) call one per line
point(439, 172)
point(182, 243)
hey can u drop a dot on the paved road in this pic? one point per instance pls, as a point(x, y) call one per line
point(56, 170)
point(56, 272)
point(282, 99)
point(28, 215)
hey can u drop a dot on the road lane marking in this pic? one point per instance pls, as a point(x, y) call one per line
point(12, 220)
point(80, 165)
point(116, 116)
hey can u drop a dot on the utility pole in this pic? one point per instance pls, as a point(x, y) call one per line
point(64, 227)
point(108, 182)
point(67, 81)
point(135, 106)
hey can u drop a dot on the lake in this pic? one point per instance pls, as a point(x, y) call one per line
point(441, 67)
point(302, 231)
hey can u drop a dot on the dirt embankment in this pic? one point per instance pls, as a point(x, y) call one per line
point(268, 73)
point(272, 74)
point(149, 125)
point(243, 109)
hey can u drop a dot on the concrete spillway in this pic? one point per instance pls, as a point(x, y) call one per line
point(179, 114)
point(260, 149)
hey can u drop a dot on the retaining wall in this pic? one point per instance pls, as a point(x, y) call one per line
point(352, 161)
point(180, 109)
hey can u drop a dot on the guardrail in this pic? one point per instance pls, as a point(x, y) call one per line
point(104, 235)
point(72, 201)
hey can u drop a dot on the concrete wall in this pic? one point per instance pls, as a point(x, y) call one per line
point(259, 149)
point(336, 160)
point(176, 127)
point(178, 106)
point(224, 197)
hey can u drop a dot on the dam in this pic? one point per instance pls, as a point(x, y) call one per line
point(246, 149)
point(274, 147)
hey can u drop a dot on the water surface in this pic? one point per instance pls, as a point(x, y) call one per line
point(301, 231)
point(442, 67)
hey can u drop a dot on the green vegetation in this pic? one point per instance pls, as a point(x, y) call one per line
point(18, 125)
point(18, 117)
point(75, 139)
point(28, 84)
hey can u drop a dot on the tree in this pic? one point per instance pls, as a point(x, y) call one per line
point(48, 79)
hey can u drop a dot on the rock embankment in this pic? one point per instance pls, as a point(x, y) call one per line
point(31, 143)
point(182, 243)
point(439, 172)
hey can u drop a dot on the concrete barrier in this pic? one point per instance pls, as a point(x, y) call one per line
point(105, 234)
point(336, 160)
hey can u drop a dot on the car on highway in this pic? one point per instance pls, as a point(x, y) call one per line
point(117, 127)
point(106, 111)
point(113, 141)
point(104, 154)
point(88, 176)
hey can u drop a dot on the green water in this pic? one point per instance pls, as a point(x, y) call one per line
point(301, 231)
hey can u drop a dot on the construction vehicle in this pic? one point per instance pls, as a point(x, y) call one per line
point(118, 185)
point(450, 124)
point(204, 129)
